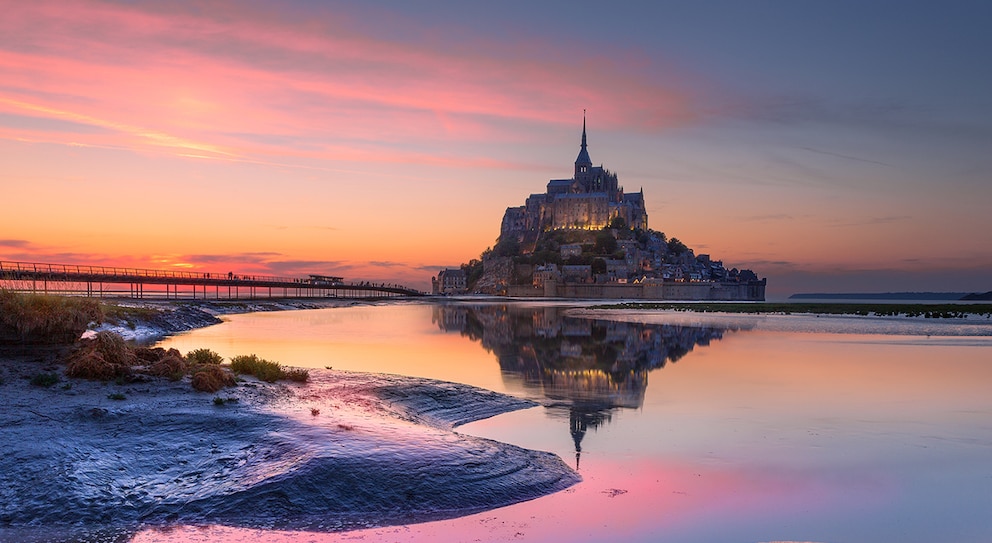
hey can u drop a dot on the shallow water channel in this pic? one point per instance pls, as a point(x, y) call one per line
point(683, 428)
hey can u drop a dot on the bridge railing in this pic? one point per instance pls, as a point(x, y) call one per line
point(124, 273)
point(66, 269)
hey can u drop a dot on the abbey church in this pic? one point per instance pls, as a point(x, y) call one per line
point(589, 201)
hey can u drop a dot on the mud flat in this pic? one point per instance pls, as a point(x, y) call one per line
point(84, 460)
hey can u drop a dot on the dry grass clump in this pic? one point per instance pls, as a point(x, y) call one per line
point(170, 364)
point(207, 375)
point(45, 319)
point(266, 370)
point(296, 374)
point(107, 357)
point(104, 357)
point(211, 378)
point(114, 349)
point(147, 355)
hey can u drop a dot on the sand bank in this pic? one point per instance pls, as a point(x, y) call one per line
point(94, 461)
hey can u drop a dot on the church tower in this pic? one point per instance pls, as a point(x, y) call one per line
point(583, 164)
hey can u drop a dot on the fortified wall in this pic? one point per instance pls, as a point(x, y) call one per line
point(693, 291)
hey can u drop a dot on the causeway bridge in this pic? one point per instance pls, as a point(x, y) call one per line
point(114, 282)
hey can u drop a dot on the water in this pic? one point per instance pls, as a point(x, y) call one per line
point(683, 427)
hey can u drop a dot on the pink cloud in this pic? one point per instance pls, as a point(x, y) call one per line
point(203, 81)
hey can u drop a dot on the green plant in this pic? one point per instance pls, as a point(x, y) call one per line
point(203, 356)
point(116, 396)
point(218, 400)
point(265, 370)
point(44, 379)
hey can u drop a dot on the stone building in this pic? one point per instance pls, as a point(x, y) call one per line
point(589, 200)
point(450, 281)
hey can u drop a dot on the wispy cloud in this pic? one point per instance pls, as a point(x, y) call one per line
point(770, 217)
point(15, 243)
point(869, 221)
point(252, 82)
point(846, 157)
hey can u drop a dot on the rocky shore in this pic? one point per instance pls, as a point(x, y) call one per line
point(146, 321)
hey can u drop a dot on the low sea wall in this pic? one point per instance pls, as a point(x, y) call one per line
point(700, 290)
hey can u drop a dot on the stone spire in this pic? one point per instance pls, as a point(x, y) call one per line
point(583, 162)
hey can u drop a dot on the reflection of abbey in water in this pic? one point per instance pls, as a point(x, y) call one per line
point(587, 367)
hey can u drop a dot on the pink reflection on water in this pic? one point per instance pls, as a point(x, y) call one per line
point(641, 500)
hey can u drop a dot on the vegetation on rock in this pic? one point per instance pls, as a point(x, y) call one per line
point(45, 319)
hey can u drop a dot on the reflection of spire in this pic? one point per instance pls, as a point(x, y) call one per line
point(577, 425)
point(580, 419)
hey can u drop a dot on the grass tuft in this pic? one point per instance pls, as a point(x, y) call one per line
point(203, 356)
point(45, 319)
point(116, 396)
point(211, 378)
point(298, 375)
point(169, 365)
point(45, 379)
point(266, 370)
point(104, 357)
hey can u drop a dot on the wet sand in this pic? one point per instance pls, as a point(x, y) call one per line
point(85, 460)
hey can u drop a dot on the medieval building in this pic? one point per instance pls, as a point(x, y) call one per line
point(590, 200)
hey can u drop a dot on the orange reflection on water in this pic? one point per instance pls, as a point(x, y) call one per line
point(400, 339)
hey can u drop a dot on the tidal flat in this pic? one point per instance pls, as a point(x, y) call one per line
point(656, 425)
point(89, 461)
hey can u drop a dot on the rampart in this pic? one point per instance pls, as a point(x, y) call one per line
point(669, 290)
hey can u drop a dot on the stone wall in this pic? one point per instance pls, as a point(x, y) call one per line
point(751, 291)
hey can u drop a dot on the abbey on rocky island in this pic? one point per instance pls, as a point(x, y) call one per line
point(590, 200)
point(585, 238)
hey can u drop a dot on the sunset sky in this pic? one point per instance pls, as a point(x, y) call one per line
point(831, 147)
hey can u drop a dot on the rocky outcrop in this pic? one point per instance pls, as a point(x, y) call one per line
point(497, 271)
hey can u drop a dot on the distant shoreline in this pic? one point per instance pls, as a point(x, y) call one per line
point(895, 296)
point(933, 311)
